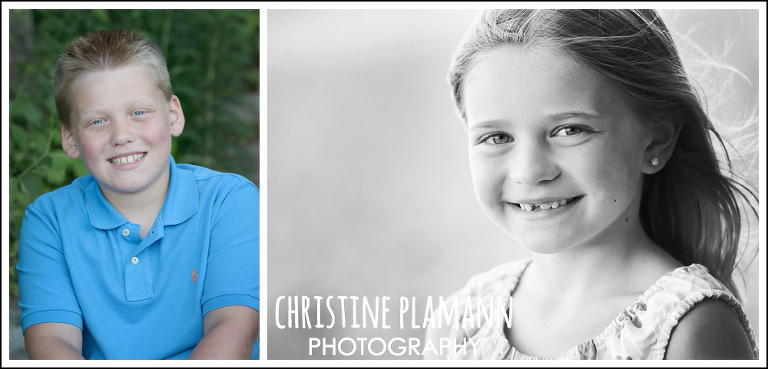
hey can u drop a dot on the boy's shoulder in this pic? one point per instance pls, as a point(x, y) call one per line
point(71, 192)
point(197, 189)
point(207, 176)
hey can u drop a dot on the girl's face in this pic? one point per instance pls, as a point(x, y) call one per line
point(556, 154)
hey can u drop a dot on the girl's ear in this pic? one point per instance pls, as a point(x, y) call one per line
point(657, 153)
point(69, 143)
point(176, 115)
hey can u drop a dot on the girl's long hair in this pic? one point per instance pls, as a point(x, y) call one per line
point(694, 206)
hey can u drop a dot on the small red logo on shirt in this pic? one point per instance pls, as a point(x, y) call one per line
point(194, 275)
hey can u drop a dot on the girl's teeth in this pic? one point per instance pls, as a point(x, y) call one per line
point(544, 206)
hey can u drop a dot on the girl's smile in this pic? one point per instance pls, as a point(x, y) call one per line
point(544, 205)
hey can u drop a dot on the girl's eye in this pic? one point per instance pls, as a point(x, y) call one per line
point(138, 113)
point(496, 139)
point(569, 131)
point(97, 122)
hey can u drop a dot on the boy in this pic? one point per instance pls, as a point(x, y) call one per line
point(144, 258)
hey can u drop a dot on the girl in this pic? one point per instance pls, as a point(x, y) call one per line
point(589, 146)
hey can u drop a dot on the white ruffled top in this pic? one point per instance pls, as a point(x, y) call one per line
point(641, 331)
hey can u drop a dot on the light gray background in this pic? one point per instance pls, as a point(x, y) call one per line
point(369, 189)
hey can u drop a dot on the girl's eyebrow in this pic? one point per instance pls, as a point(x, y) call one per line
point(574, 114)
point(556, 117)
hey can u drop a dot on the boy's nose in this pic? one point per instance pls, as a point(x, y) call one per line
point(531, 164)
point(121, 134)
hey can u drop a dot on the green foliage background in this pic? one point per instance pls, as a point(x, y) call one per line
point(213, 60)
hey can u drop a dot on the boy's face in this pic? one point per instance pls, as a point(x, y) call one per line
point(121, 127)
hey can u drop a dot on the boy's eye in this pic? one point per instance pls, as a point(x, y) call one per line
point(138, 113)
point(96, 122)
point(496, 139)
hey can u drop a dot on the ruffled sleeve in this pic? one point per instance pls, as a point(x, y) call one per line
point(643, 330)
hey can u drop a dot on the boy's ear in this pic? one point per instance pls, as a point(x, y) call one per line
point(69, 143)
point(177, 116)
point(663, 140)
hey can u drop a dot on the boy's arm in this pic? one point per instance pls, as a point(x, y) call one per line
point(229, 333)
point(59, 341)
point(50, 313)
point(230, 301)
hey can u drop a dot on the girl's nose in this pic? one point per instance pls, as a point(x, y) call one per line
point(121, 133)
point(531, 164)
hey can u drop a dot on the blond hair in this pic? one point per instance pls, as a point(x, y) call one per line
point(101, 51)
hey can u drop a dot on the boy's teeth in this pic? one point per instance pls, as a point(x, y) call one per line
point(543, 206)
point(127, 159)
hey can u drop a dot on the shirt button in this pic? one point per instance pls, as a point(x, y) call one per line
point(134, 260)
point(126, 232)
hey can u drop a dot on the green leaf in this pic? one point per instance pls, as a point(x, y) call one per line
point(79, 169)
point(101, 15)
point(31, 185)
point(55, 176)
point(56, 173)
point(19, 140)
point(13, 187)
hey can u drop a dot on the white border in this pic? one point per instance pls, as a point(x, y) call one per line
point(263, 178)
point(263, 237)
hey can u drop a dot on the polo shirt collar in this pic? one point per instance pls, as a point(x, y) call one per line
point(180, 204)
point(182, 200)
point(102, 214)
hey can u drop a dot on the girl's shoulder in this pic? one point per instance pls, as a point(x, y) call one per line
point(712, 330)
point(688, 298)
point(686, 301)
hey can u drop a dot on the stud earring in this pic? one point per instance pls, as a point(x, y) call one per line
point(655, 162)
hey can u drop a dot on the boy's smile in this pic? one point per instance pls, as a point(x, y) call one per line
point(556, 155)
point(122, 128)
point(122, 161)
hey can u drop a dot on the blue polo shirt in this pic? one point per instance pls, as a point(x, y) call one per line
point(82, 263)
